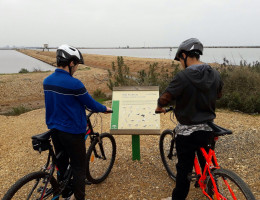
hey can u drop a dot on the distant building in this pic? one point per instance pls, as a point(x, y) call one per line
point(45, 46)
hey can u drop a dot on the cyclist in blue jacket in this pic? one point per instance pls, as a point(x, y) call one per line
point(65, 101)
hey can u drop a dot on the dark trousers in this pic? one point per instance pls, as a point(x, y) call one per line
point(74, 152)
point(186, 146)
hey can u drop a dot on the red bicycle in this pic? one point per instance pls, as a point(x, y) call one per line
point(215, 182)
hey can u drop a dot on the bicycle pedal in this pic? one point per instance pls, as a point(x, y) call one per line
point(40, 189)
point(87, 182)
point(193, 177)
point(196, 184)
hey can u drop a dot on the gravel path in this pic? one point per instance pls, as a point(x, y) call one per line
point(145, 179)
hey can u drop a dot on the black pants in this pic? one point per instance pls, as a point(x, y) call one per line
point(186, 147)
point(73, 146)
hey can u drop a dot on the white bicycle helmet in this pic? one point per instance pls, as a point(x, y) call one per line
point(66, 54)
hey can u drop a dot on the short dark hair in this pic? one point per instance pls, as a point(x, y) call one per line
point(192, 54)
point(61, 62)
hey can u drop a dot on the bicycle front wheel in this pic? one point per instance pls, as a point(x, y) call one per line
point(168, 152)
point(229, 185)
point(100, 158)
point(33, 186)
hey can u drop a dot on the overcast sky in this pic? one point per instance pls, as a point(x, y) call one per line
point(106, 23)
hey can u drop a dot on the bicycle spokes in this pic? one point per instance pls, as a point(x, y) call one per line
point(228, 187)
point(33, 188)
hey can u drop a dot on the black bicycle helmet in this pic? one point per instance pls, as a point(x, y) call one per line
point(192, 44)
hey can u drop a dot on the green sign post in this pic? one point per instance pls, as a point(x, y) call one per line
point(136, 147)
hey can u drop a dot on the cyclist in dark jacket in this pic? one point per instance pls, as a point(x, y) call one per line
point(195, 91)
point(65, 101)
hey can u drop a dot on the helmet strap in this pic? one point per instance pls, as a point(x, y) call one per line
point(70, 69)
point(185, 60)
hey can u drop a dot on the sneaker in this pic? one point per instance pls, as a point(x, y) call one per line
point(72, 197)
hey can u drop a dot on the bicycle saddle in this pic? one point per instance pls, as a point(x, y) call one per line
point(43, 136)
point(219, 131)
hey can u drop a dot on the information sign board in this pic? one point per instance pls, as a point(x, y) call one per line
point(133, 111)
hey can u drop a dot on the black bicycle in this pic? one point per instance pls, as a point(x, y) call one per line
point(43, 184)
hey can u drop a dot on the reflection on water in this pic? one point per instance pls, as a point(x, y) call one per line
point(13, 61)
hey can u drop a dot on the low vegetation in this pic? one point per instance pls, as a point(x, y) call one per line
point(100, 96)
point(241, 90)
point(23, 70)
point(241, 87)
point(18, 111)
point(120, 75)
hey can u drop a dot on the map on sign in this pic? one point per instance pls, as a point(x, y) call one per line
point(134, 110)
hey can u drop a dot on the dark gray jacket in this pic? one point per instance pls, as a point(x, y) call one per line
point(195, 91)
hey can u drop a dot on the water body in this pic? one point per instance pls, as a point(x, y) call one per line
point(211, 55)
point(13, 61)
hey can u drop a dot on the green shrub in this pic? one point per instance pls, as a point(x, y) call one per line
point(18, 111)
point(100, 96)
point(120, 75)
point(23, 70)
point(98, 93)
point(156, 75)
point(241, 89)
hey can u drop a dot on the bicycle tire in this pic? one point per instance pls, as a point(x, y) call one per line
point(239, 187)
point(31, 186)
point(98, 167)
point(169, 159)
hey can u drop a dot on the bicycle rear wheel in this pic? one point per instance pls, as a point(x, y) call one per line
point(168, 152)
point(100, 158)
point(230, 186)
point(32, 186)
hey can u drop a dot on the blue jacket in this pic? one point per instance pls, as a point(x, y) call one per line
point(65, 101)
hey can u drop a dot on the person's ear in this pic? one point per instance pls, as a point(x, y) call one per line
point(71, 63)
point(184, 55)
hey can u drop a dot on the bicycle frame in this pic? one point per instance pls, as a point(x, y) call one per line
point(211, 163)
point(90, 132)
point(51, 166)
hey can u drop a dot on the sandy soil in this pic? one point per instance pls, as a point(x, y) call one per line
point(145, 179)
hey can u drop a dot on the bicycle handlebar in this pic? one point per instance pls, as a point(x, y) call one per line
point(109, 111)
point(91, 111)
point(166, 109)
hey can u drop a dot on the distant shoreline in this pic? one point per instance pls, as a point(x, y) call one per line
point(164, 47)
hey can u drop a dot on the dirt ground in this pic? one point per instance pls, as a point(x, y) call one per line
point(145, 179)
